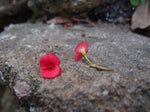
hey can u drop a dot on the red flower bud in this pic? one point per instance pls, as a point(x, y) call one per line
point(49, 64)
point(80, 49)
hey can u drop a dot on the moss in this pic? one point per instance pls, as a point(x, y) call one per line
point(34, 84)
point(9, 74)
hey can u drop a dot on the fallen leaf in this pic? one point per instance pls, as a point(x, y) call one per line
point(59, 20)
point(141, 17)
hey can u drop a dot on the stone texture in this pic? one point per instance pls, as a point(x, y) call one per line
point(63, 7)
point(10, 8)
point(116, 12)
point(12, 11)
point(78, 88)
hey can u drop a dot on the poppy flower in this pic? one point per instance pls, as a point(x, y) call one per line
point(49, 64)
point(81, 49)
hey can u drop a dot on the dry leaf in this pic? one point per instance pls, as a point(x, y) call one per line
point(141, 17)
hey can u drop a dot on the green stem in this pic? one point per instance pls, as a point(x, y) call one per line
point(85, 56)
point(95, 66)
point(100, 67)
point(88, 60)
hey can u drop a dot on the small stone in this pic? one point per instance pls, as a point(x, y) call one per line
point(2, 77)
point(135, 80)
point(56, 45)
point(105, 92)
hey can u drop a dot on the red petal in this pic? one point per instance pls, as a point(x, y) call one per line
point(48, 73)
point(49, 59)
point(78, 56)
point(80, 46)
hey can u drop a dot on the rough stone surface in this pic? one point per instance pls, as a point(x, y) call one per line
point(67, 7)
point(13, 11)
point(116, 12)
point(78, 88)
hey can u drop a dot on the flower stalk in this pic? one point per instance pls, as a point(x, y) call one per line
point(81, 51)
point(100, 67)
point(93, 65)
point(85, 56)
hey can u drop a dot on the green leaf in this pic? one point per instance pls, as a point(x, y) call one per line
point(142, 2)
point(135, 2)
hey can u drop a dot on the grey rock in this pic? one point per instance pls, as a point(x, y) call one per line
point(12, 11)
point(78, 88)
point(64, 7)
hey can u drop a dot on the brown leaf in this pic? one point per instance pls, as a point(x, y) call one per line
point(58, 20)
point(141, 17)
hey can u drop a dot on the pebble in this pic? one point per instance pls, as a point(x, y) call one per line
point(56, 45)
point(105, 92)
point(1, 76)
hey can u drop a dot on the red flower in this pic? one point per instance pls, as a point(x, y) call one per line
point(81, 48)
point(49, 64)
point(67, 24)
